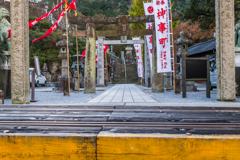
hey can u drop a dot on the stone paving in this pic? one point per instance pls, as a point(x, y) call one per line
point(125, 93)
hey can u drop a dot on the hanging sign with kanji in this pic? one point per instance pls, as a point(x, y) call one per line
point(161, 16)
point(138, 49)
point(148, 9)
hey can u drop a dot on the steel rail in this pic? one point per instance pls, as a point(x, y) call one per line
point(112, 110)
point(155, 124)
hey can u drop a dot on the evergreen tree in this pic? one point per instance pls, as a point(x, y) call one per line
point(203, 11)
point(137, 9)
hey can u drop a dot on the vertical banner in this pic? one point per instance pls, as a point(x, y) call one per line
point(161, 16)
point(149, 10)
point(138, 49)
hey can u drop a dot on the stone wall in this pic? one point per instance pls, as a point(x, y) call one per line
point(119, 74)
point(35, 9)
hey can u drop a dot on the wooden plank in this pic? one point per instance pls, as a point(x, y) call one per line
point(166, 147)
point(140, 32)
point(79, 33)
point(38, 147)
point(208, 78)
point(97, 20)
point(108, 33)
point(107, 20)
point(183, 76)
point(113, 33)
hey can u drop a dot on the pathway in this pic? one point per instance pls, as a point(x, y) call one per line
point(123, 93)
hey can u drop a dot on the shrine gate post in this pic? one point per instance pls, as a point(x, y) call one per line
point(225, 52)
point(89, 67)
point(20, 86)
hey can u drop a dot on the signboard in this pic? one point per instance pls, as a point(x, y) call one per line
point(37, 66)
point(195, 69)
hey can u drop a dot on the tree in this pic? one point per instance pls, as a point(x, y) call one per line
point(137, 9)
point(203, 11)
point(46, 49)
point(193, 32)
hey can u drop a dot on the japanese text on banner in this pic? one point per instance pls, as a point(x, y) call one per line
point(138, 49)
point(149, 10)
point(161, 16)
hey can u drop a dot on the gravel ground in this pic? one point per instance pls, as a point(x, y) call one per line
point(166, 97)
point(58, 98)
point(192, 97)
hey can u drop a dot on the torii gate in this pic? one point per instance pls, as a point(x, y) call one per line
point(123, 30)
point(123, 41)
point(20, 48)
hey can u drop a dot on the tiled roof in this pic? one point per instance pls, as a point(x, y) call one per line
point(203, 47)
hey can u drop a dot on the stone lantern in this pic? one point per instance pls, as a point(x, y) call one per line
point(129, 57)
point(63, 57)
point(63, 54)
point(183, 43)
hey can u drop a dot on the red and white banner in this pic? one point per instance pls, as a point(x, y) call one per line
point(50, 30)
point(138, 49)
point(161, 16)
point(35, 21)
point(149, 10)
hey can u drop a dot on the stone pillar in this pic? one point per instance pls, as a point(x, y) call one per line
point(76, 81)
point(225, 53)
point(122, 55)
point(157, 78)
point(100, 64)
point(168, 81)
point(90, 70)
point(147, 64)
point(20, 89)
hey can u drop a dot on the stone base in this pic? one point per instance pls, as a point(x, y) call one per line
point(191, 88)
point(66, 93)
point(98, 85)
point(61, 85)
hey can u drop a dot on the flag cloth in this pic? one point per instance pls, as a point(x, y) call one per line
point(35, 21)
point(149, 10)
point(138, 49)
point(161, 16)
point(105, 48)
point(50, 30)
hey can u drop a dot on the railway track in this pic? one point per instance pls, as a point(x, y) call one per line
point(113, 119)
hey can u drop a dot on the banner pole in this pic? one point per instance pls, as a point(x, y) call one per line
point(173, 54)
point(77, 58)
point(67, 53)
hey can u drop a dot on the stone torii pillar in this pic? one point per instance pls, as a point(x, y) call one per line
point(20, 89)
point(157, 78)
point(147, 65)
point(89, 70)
point(100, 64)
point(225, 53)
